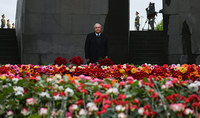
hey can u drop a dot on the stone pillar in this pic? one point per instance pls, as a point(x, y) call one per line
point(50, 28)
point(183, 30)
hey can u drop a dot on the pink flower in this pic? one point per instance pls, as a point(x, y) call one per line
point(73, 108)
point(9, 113)
point(30, 101)
point(141, 111)
point(129, 78)
point(69, 114)
point(169, 84)
point(43, 111)
point(178, 107)
point(122, 115)
point(188, 111)
point(122, 84)
point(24, 111)
point(82, 112)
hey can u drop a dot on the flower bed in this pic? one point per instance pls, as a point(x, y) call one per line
point(99, 91)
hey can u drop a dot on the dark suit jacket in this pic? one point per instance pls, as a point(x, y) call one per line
point(94, 49)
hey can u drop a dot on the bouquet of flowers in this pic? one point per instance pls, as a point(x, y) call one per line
point(76, 60)
point(60, 60)
point(106, 62)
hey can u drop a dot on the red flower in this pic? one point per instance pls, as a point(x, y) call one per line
point(134, 107)
point(101, 112)
point(105, 106)
point(194, 98)
point(106, 62)
point(196, 105)
point(80, 102)
point(84, 91)
point(137, 102)
point(62, 94)
point(121, 96)
point(107, 102)
point(76, 60)
point(55, 94)
point(97, 94)
point(33, 78)
point(59, 61)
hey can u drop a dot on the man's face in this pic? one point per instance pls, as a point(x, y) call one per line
point(3, 16)
point(97, 28)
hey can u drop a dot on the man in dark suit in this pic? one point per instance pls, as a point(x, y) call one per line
point(95, 45)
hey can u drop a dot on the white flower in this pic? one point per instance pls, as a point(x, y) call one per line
point(50, 79)
point(82, 112)
point(9, 113)
point(15, 80)
point(73, 108)
point(194, 87)
point(43, 111)
point(58, 76)
point(57, 97)
point(39, 78)
point(24, 111)
point(90, 104)
point(93, 108)
point(19, 91)
point(124, 66)
point(61, 88)
point(56, 86)
point(5, 86)
point(30, 101)
point(163, 87)
point(197, 83)
point(69, 92)
point(112, 90)
point(141, 111)
point(122, 115)
point(44, 94)
point(119, 108)
point(188, 111)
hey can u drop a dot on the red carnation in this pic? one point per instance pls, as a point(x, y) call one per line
point(76, 61)
point(106, 62)
point(59, 61)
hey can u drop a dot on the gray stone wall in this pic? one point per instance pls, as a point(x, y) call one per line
point(50, 28)
point(183, 30)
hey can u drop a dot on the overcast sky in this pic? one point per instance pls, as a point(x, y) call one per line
point(8, 7)
point(140, 6)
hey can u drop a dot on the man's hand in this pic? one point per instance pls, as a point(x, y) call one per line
point(88, 60)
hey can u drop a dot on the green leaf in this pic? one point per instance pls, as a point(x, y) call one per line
point(145, 80)
point(133, 114)
point(34, 116)
point(136, 83)
point(109, 114)
point(44, 77)
point(107, 81)
point(159, 109)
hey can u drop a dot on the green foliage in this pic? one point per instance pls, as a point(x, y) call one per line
point(159, 26)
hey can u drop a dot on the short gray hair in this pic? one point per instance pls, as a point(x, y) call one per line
point(97, 24)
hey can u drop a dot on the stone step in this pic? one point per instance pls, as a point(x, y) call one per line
point(9, 51)
point(7, 32)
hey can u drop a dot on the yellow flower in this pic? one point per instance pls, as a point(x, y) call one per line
point(20, 70)
point(133, 70)
point(183, 70)
point(3, 77)
point(122, 71)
